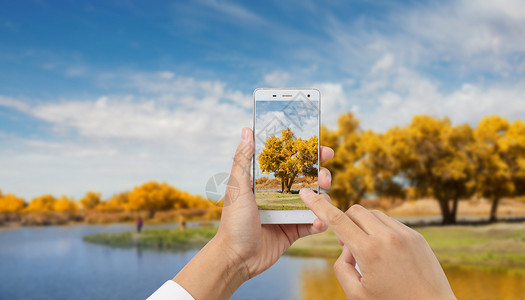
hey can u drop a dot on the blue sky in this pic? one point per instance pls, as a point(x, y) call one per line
point(108, 94)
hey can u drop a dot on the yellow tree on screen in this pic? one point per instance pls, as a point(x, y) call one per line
point(288, 157)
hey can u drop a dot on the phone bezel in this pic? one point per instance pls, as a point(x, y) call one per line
point(286, 216)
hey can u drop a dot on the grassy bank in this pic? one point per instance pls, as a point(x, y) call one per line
point(156, 238)
point(490, 245)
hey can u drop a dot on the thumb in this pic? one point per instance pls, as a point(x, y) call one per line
point(239, 181)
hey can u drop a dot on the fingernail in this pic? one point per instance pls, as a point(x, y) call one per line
point(305, 192)
point(329, 176)
point(245, 135)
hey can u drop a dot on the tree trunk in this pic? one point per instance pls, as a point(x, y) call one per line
point(494, 210)
point(290, 182)
point(445, 212)
point(285, 186)
point(454, 211)
point(282, 185)
point(286, 189)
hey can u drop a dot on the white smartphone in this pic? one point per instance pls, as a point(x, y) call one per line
point(286, 126)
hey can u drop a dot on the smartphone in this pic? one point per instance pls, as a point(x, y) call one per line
point(286, 126)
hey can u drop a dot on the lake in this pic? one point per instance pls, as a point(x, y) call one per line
point(54, 263)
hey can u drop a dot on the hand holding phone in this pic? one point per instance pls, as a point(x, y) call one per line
point(242, 247)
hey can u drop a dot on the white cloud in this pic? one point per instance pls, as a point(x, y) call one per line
point(277, 79)
point(407, 93)
point(184, 132)
point(468, 36)
point(334, 100)
point(76, 71)
point(234, 10)
point(184, 129)
point(384, 64)
point(13, 103)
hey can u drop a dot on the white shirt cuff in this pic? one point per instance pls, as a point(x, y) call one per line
point(170, 290)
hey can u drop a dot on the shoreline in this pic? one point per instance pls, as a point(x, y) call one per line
point(409, 220)
point(496, 245)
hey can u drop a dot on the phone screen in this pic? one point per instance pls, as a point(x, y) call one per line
point(286, 156)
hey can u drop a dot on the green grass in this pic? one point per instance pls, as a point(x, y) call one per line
point(156, 238)
point(499, 244)
point(491, 245)
point(272, 200)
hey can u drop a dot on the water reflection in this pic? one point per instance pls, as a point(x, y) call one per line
point(320, 282)
point(486, 283)
point(60, 265)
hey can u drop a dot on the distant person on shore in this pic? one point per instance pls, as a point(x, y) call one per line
point(182, 224)
point(395, 262)
point(139, 224)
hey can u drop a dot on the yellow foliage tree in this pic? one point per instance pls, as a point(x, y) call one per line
point(90, 200)
point(436, 159)
point(65, 204)
point(42, 203)
point(288, 157)
point(154, 196)
point(499, 154)
point(513, 143)
point(380, 164)
point(351, 179)
point(11, 203)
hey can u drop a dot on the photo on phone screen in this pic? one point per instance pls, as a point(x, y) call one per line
point(286, 155)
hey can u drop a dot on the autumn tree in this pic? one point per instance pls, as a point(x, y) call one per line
point(435, 158)
point(154, 196)
point(118, 202)
point(288, 157)
point(513, 144)
point(351, 179)
point(381, 164)
point(65, 204)
point(42, 203)
point(494, 174)
point(11, 203)
point(90, 200)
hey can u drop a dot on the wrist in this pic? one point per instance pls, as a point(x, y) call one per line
point(216, 272)
point(232, 265)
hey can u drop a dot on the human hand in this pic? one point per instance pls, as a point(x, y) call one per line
point(258, 246)
point(395, 261)
point(242, 247)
